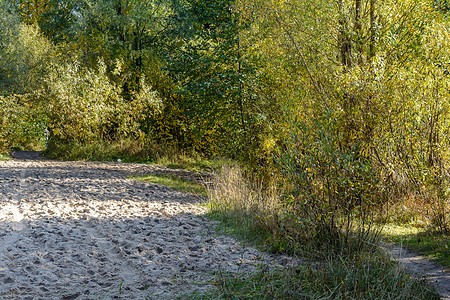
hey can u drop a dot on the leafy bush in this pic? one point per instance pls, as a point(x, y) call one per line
point(334, 189)
point(85, 105)
point(21, 124)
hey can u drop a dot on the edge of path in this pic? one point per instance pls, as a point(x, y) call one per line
point(416, 264)
point(421, 267)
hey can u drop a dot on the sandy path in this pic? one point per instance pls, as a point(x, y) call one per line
point(422, 267)
point(81, 230)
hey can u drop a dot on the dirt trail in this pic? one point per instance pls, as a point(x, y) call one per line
point(422, 267)
point(82, 230)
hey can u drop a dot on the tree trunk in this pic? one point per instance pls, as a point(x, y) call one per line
point(137, 47)
point(345, 46)
point(358, 32)
point(372, 30)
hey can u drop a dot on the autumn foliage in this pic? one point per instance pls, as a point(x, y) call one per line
point(346, 100)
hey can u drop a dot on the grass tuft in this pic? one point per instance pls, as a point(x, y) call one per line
point(175, 183)
point(370, 276)
point(249, 210)
point(433, 245)
point(4, 156)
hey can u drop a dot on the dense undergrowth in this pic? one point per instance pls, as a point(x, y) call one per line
point(353, 268)
point(129, 150)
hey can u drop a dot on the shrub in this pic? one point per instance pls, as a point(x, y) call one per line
point(85, 105)
point(22, 125)
point(334, 189)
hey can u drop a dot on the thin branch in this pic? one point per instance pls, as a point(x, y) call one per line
point(313, 81)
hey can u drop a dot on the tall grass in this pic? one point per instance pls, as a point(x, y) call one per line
point(262, 213)
point(253, 206)
point(372, 276)
point(133, 150)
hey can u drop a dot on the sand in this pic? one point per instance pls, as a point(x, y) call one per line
point(422, 268)
point(83, 230)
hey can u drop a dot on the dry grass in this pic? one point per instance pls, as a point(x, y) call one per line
point(256, 205)
point(417, 210)
point(256, 212)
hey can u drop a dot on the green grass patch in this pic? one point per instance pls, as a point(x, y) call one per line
point(134, 151)
point(367, 276)
point(175, 183)
point(435, 246)
point(192, 163)
point(4, 156)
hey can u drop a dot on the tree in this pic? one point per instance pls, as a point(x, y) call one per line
point(25, 54)
point(209, 62)
point(31, 11)
point(125, 31)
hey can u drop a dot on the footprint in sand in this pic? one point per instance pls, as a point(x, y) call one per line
point(82, 230)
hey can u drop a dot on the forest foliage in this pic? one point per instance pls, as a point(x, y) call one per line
point(348, 101)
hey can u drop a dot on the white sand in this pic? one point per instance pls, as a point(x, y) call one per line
point(79, 230)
